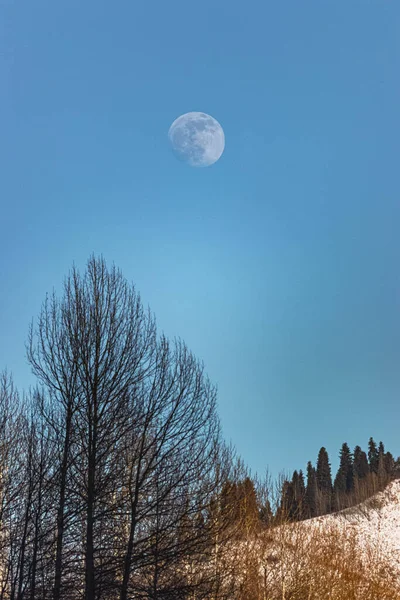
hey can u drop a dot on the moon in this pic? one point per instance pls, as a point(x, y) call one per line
point(197, 139)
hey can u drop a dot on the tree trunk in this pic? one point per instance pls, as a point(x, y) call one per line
point(129, 552)
point(89, 554)
point(61, 509)
point(23, 543)
point(36, 539)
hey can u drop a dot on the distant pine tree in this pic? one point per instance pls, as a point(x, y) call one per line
point(293, 498)
point(288, 505)
point(382, 474)
point(373, 456)
point(361, 475)
point(360, 463)
point(347, 462)
point(311, 504)
point(248, 503)
point(299, 495)
point(229, 502)
point(296, 500)
point(344, 480)
point(239, 503)
point(295, 483)
point(302, 495)
point(389, 464)
point(302, 482)
point(324, 482)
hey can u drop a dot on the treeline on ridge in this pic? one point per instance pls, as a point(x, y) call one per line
point(359, 476)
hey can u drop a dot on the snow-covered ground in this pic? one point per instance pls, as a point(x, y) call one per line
point(376, 522)
point(354, 553)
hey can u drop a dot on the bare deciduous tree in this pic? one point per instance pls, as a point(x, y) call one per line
point(133, 424)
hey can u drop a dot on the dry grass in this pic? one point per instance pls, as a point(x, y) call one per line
point(324, 562)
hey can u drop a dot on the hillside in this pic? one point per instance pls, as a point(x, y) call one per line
point(375, 522)
point(354, 553)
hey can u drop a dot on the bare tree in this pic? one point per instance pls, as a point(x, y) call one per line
point(11, 481)
point(135, 437)
point(90, 349)
point(175, 453)
point(54, 360)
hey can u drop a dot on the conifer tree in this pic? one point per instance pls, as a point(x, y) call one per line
point(324, 482)
point(288, 502)
point(360, 463)
point(311, 491)
point(373, 456)
point(361, 475)
point(298, 495)
point(302, 495)
point(382, 474)
point(344, 480)
point(293, 498)
point(249, 509)
point(389, 464)
point(229, 502)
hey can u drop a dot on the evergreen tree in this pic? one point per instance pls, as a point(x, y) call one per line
point(361, 475)
point(360, 463)
point(346, 464)
point(249, 509)
point(287, 506)
point(293, 498)
point(373, 456)
point(302, 494)
point(389, 464)
point(229, 503)
point(239, 504)
point(311, 503)
point(299, 495)
point(324, 482)
point(344, 480)
point(382, 474)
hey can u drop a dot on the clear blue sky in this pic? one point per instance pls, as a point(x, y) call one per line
point(278, 265)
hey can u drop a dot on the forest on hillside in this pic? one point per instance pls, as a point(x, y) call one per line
point(115, 480)
point(360, 475)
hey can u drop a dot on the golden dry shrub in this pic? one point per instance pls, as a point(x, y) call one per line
point(314, 561)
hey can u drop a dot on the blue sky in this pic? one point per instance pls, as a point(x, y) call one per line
point(278, 265)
